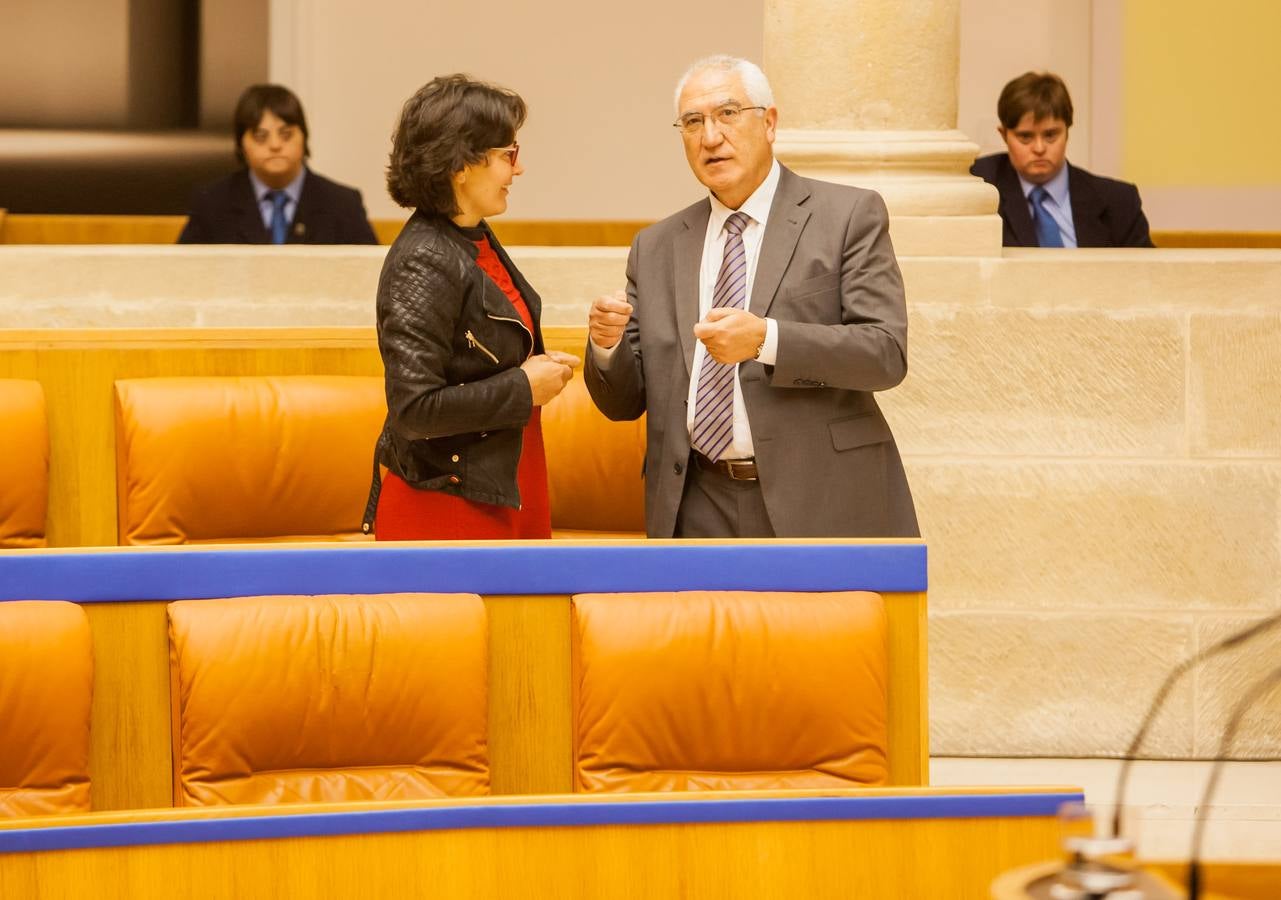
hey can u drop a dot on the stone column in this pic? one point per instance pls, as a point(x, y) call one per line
point(866, 92)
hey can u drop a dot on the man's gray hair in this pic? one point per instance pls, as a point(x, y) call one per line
point(754, 81)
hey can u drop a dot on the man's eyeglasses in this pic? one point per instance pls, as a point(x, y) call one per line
point(510, 152)
point(724, 116)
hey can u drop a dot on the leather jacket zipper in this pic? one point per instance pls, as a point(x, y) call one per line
point(472, 342)
point(522, 328)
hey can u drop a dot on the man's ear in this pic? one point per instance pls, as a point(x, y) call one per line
point(1000, 129)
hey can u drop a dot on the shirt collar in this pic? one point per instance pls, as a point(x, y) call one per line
point(1056, 187)
point(293, 188)
point(756, 206)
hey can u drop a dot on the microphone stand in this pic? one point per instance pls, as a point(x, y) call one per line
point(1096, 868)
point(1162, 694)
point(1261, 688)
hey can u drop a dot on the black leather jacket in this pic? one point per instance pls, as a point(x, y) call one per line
point(452, 344)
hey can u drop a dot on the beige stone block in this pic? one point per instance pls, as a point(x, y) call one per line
point(1237, 280)
point(1060, 383)
point(1228, 680)
point(1051, 684)
point(1235, 385)
point(569, 278)
point(1073, 279)
point(101, 275)
point(944, 235)
point(929, 281)
point(1125, 279)
point(1100, 535)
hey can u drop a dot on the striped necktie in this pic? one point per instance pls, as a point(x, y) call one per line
point(714, 402)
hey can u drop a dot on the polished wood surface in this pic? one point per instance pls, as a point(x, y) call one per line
point(67, 229)
point(529, 695)
point(908, 688)
point(70, 229)
point(1212, 239)
point(880, 857)
point(130, 751)
point(1227, 880)
point(25, 228)
point(1157, 880)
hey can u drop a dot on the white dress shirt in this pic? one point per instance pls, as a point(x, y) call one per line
point(1059, 204)
point(293, 192)
point(757, 208)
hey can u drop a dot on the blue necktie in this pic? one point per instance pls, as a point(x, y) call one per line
point(279, 224)
point(1047, 230)
point(714, 402)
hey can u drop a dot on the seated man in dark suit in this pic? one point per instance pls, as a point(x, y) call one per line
point(1045, 200)
point(275, 199)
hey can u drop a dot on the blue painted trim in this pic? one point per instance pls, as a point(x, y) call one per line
point(515, 568)
point(536, 815)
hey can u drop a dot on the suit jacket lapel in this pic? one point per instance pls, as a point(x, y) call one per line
point(1087, 210)
point(689, 258)
point(1014, 206)
point(297, 233)
point(244, 209)
point(786, 221)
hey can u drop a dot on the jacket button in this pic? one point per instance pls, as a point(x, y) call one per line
point(678, 468)
point(454, 458)
point(454, 479)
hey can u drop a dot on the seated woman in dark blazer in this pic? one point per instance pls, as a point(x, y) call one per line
point(458, 329)
point(275, 198)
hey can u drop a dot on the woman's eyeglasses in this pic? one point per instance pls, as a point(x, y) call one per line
point(510, 152)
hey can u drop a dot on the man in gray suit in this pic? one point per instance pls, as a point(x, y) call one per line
point(755, 326)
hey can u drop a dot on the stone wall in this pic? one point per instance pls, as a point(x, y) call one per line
point(1093, 439)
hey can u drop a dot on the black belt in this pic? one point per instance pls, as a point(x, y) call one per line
point(736, 469)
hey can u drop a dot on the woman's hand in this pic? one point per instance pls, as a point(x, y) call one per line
point(548, 374)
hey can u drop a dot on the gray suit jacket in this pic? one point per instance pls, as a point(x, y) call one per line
point(828, 464)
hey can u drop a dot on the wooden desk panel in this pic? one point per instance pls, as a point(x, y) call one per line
point(944, 843)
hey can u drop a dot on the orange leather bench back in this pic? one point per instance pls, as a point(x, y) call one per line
point(593, 468)
point(24, 463)
point(244, 458)
point(330, 698)
point(46, 688)
point(728, 690)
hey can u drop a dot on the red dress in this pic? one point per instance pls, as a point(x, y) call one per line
point(408, 514)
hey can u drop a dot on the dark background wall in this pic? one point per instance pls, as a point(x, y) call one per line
point(121, 106)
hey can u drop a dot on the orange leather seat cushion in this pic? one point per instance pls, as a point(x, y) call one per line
point(46, 688)
point(593, 468)
point(728, 690)
point(291, 699)
point(24, 463)
point(245, 458)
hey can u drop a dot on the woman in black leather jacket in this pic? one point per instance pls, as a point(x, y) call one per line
point(458, 329)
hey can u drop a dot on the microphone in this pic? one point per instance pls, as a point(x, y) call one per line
point(1262, 688)
point(1228, 643)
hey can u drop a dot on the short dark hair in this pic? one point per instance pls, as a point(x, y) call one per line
point(1042, 94)
point(260, 98)
point(451, 122)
